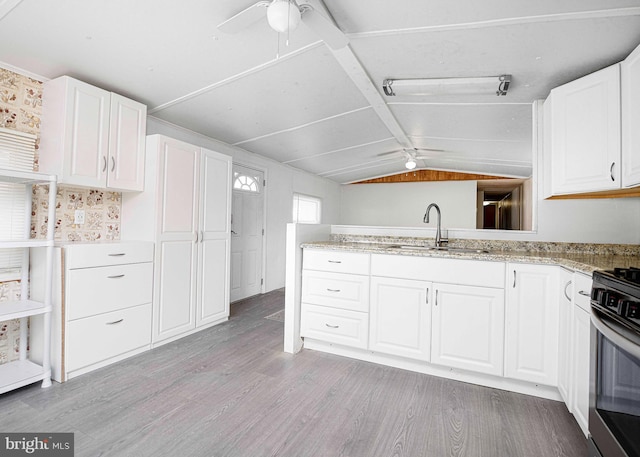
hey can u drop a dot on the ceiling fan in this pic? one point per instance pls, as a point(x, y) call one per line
point(285, 16)
point(411, 155)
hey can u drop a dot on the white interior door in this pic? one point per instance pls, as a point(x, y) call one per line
point(247, 232)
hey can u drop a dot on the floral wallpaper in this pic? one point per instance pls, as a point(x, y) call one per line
point(21, 109)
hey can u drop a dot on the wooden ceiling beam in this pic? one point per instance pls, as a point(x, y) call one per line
point(429, 175)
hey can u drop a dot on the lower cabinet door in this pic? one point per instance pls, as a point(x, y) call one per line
point(468, 328)
point(97, 338)
point(334, 325)
point(400, 317)
point(581, 361)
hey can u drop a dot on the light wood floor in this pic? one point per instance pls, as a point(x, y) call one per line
point(231, 391)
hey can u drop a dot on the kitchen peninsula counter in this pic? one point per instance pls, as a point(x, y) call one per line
point(580, 257)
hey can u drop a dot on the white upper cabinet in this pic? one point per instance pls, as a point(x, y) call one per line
point(584, 152)
point(592, 143)
point(92, 137)
point(630, 79)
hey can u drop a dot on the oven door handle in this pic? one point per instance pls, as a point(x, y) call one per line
point(632, 347)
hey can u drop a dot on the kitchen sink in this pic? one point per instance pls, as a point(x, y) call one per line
point(439, 248)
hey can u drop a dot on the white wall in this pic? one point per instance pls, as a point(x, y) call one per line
point(282, 182)
point(404, 204)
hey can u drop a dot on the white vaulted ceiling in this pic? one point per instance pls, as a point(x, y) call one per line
point(322, 110)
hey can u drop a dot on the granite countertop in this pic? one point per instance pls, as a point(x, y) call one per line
point(584, 258)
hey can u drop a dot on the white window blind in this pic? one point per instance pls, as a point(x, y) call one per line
point(17, 152)
point(306, 209)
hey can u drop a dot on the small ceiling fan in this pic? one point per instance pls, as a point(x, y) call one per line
point(411, 155)
point(285, 16)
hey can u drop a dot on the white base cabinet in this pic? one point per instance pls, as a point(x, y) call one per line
point(468, 328)
point(335, 305)
point(400, 317)
point(565, 336)
point(102, 297)
point(532, 319)
point(185, 209)
point(580, 351)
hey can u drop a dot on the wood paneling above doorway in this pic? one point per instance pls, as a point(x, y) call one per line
point(429, 175)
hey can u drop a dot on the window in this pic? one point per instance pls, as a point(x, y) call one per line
point(245, 182)
point(306, 209)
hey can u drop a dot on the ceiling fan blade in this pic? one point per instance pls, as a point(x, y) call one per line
point(324, 28)
point(383, 154)
point(244, 18)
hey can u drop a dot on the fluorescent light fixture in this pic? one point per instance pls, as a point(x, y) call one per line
point(410, 164)
point(447, 86)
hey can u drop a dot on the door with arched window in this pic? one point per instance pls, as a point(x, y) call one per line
point(247, 232)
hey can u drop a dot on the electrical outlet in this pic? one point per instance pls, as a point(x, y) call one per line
point(78, 217)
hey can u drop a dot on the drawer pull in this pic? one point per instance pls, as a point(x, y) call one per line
point(333, 290)
point(586, 294)
point(119, 254)
point(332, 326)
point(116, 276)
point(115, 322)
point(334, 261)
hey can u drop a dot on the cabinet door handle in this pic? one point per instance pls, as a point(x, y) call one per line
point(427, 299)
point(584, 293)
point(202, 237)
point(611, 171)
point(514, 279)
point(104, 163)
point(334, 261)
point(119, 254)
point(115, 322)
point(436, 303)
point(565, 291)
point(333, 290)
point(197, 236)
point(116, 276)
point(332, 326)
point(113, 164)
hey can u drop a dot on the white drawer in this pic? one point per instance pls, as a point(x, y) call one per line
point(451, 271)
point(336, 261)
point(91, 291)
point(349, 328)
point(96, 255)
point(337, 290)
point(94, 339)
point(582, 291)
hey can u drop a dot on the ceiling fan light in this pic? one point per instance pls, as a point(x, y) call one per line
point(283, 15)
point(410, 164)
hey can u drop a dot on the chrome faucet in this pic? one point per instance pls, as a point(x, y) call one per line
point(439, 239)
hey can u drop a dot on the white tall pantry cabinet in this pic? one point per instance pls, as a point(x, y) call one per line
point(185, 209)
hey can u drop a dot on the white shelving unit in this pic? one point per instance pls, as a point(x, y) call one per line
point(24, 371)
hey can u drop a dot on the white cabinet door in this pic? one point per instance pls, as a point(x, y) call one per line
point(565, 338)
point(585, 134)
point(532, 317)
point(214, 238)
point(86, 126)
point(581, 360)
point(630, 90)
point(92, 137)
point(468, 328)
point(176, 249)
point(400, 317)
point(127, 131)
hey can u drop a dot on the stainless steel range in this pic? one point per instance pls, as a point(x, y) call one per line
point(614, 412)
